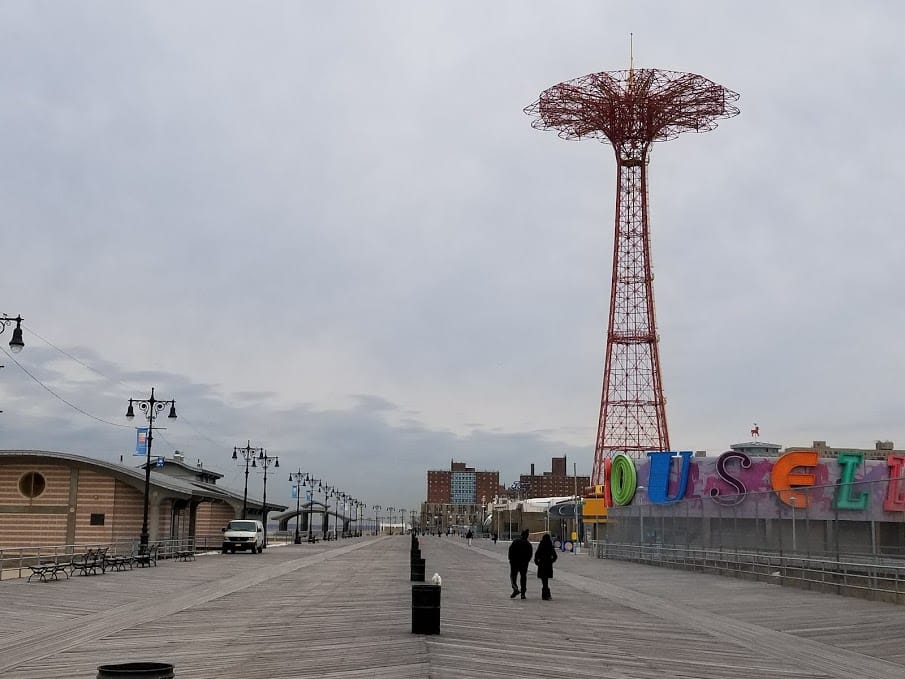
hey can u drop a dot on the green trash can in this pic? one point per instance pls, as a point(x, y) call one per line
point(425, 609)
point(136, 670)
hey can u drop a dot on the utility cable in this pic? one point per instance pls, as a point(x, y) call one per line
point(60, 398)
point(112, 380)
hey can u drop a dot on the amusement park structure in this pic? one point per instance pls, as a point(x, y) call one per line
point(631, 110)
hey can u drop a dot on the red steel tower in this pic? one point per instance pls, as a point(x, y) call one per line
point(631, 110)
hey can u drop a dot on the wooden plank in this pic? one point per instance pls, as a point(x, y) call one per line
point(343, 609)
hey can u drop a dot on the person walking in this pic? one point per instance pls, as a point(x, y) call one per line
point(520, 552)
point(468, 536)
point(543, 559)
point(494, 538)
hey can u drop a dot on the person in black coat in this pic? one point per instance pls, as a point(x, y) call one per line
point(543, 559)
point(520, 552)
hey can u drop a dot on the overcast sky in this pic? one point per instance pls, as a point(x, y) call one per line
point(329, 228)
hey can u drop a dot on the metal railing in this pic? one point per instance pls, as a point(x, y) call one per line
point(877, 578)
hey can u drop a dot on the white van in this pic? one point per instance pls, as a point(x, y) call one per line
point(243, 534)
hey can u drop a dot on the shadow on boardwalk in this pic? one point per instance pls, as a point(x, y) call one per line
point(344, 610)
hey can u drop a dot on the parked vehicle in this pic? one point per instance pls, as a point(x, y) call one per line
point(243, 534)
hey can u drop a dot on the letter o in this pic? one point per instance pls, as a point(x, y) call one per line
point(623, 480)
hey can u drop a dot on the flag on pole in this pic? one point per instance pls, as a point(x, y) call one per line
point(141, 441)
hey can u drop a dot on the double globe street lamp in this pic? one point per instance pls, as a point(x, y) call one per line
point(266, 461)
point(312, 482)
point(298, 480)
point(376, 509)
point(249, 454)
point(150, 407)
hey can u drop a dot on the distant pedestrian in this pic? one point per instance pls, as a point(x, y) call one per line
point(520, 552)
point(494, 538)
point(543, 559)
point(468, 536)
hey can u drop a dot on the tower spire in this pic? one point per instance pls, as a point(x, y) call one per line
point(631, 58)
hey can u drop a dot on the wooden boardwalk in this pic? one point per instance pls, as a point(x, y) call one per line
point(344, 610)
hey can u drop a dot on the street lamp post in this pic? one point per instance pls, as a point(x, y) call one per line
point(266, 461)
point(249, 454)
point(299, 479)
point(575, 506)
point(310, 498)
point(640, 515)
point(325, 523)
point(498, 511)
point(792, 500)
point(483, 512)
point(15, 343)
point(150, 407)
point(376, 509)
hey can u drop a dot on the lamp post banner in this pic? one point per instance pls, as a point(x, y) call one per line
point(141, 441)
point(295, 492)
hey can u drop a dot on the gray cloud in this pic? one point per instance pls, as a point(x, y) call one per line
point(333, 231)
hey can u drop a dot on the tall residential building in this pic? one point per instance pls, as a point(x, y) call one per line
point(457, 497)
point(554, 483)
point(461, 485)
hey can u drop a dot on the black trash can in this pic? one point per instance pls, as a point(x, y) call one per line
point(425, 609)
point(136, 670)
point(417, 570)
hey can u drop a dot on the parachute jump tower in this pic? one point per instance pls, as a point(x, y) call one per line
point(631, 110)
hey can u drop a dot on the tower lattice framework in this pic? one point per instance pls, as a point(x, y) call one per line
point(631, 110)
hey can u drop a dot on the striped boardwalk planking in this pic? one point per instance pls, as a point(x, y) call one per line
point(344, 610)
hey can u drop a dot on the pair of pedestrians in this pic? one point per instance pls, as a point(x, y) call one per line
point(520, 552)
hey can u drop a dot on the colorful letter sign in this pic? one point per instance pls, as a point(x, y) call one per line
point(785, 479)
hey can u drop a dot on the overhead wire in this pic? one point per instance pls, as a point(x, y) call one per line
point(114, 380)
point(58, 397)
point(108, 378)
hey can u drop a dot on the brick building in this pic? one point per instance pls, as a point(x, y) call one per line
point(457, 497)
point(460, 485)
point(555, 483)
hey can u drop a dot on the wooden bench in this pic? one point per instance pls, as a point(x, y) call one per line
point(185, 554)
point(90, 562)
point(49, 570)
point(147, 556)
